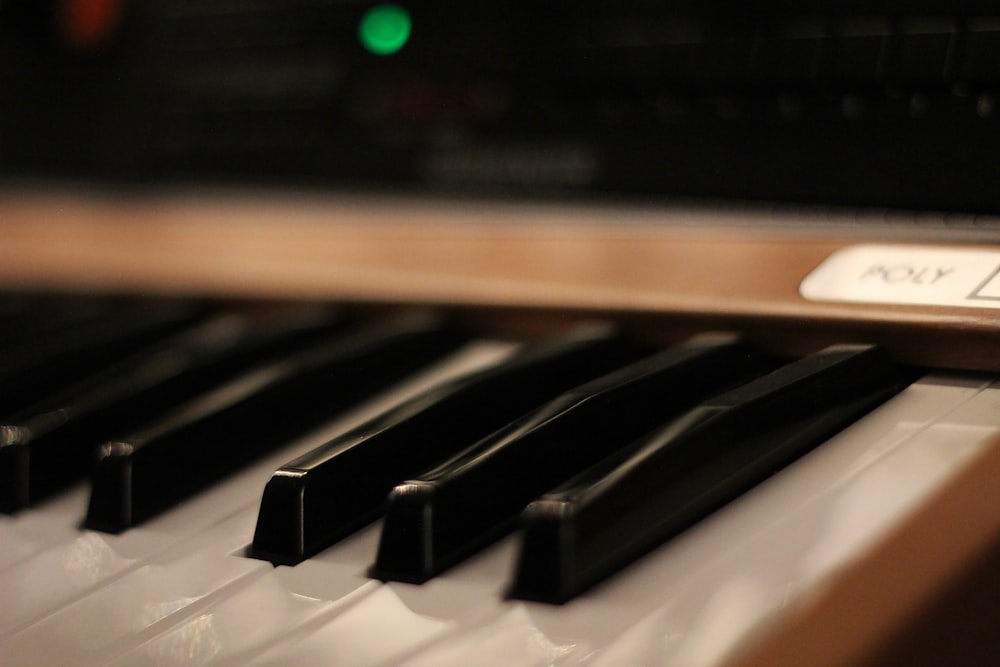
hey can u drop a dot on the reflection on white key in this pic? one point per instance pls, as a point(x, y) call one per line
point(219, 633)
point(512, 640)
point(727, 615)
point(56, 575)
point(904, 479)
point(105, 623)
point(376, 630)
point(32, 531)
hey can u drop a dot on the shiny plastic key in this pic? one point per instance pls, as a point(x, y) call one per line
point(325, 495)
point(45, 363)
point(214, 435)
point(617, 510)
point(445, 514)
point(52, 443)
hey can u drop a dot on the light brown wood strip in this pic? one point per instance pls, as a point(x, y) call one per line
point(686, 269)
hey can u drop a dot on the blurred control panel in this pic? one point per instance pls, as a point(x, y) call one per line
point(882, 103)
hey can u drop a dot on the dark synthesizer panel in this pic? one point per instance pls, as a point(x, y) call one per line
point(882, 103)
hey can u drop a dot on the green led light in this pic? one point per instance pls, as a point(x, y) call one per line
point(385, 29)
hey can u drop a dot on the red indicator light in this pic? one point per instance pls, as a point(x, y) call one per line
point(86, 24)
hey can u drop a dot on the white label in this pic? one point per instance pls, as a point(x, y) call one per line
point(920, 275)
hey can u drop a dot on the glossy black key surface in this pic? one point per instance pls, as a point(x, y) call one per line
point(204, 440)
point(446, 513)
point(46, 363)
point(52, 444)
point(321, 497)
point(617, 510)
point(25, 317)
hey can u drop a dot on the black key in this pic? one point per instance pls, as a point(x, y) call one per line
point(48, 362)
point(321, 497)
point(447, 513)
point(617, 510)
point(982, 43)
point(923, 48)
point(854, 53)
point(23, 318)
point(52, 443)
point(214, 435)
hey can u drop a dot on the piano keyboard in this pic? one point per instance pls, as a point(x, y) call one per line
point(758, 578)
point(181, 587)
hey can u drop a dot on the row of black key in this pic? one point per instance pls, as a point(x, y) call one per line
point(599, 447)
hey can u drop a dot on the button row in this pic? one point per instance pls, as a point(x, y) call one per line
point(800, 50)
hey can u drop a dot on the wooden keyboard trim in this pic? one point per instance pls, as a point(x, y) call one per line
point(670, 272)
